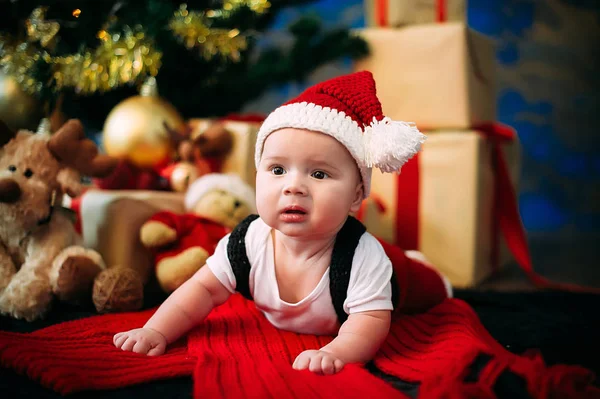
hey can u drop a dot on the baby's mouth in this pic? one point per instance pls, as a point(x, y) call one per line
point(294, 210)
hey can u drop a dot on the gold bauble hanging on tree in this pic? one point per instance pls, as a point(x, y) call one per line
point(18, 109)
point(137, 128)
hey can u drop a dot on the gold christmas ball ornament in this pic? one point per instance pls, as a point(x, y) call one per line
point(137, 129)
point(182, 175)
point(18, 109)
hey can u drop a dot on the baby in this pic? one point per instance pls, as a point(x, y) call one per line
point(313, 156)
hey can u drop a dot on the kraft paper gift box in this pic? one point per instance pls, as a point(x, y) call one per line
point(111, 222)
point(396, 13)
point(442, 204)
point(439, 76)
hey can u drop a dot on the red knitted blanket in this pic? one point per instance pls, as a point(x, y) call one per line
point(237, 353)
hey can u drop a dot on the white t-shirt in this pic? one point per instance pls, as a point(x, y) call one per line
point(369, 287)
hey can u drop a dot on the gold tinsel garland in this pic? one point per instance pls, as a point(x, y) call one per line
point(38, 29)
point(230, 6)
point(121, 58)
point(18, 60)
point(192, 28)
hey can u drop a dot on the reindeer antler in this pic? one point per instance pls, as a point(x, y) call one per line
point(5, 133)
point(71, 148)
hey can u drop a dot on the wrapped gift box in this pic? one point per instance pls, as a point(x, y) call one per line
point(451, 183)
point(396, 13)
point(241, 159)
point(440, 76)
point(111, 222)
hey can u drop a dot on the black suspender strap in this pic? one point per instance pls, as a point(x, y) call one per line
point(238, 258)
point(341, 264)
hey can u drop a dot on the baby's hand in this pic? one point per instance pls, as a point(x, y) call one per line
point(319, 362)
point(145, 341)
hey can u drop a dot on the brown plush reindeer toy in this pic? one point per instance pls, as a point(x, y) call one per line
point(40, 252)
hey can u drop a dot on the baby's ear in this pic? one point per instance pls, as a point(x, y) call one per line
point(358, 198)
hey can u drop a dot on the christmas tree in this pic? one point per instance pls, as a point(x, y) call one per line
point(204, 54)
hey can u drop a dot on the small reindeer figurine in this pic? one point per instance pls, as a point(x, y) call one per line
point(199, 151)
point(40, 253)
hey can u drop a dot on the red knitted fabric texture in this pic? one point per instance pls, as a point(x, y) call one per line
point(237, 353)
point(353, 94)
point(79, 355)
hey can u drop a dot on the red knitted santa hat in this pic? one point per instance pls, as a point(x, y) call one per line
point(347, 109)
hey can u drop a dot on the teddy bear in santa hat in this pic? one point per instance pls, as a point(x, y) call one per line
point(215, 203)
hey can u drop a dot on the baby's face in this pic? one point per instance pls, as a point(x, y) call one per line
point(306, 183)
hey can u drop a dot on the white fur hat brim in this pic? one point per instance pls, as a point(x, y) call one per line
point(230, 183)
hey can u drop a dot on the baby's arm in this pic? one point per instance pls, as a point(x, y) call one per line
point(358, 340)
point(186, 307)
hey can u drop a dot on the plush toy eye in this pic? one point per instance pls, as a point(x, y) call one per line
point(28, 173)
point(12, 168)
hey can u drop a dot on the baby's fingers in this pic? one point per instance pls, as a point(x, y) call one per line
point(119, 339)
point(157, 350)
point(327, 365)
point(129, 344)
point(316, 362)
point(302, 361)
point(142, 346)
point(338, 365)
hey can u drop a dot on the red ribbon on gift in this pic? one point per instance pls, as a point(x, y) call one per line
point(441, 11)
point(506, 216)
point(381, 12)
point(507, 213)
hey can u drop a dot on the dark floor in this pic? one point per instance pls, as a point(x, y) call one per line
point(566, 259)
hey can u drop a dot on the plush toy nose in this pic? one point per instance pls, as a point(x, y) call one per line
point(9, 191)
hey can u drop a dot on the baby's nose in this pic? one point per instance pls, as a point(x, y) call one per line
point(295, 188)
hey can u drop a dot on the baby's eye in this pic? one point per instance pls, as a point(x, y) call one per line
point(277, 170)
point(319, 174)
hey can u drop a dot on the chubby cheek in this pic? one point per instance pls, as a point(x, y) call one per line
point(267, 192)
point(266, 203)
point(332, 204)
